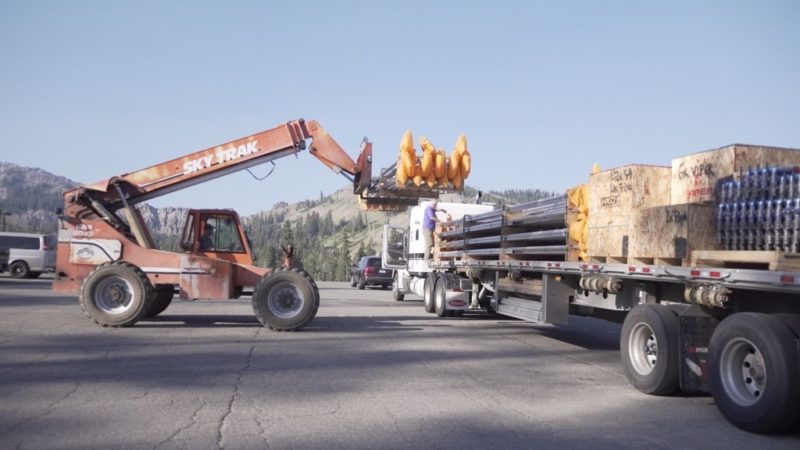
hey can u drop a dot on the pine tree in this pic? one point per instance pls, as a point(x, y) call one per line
point(372, 248)
point(288, 235)
point(343, 261)
point(327, 224)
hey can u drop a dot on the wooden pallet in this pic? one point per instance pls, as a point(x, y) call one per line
point(608, 259)
point(771, 260)
point(639, 261)
point(661, 262)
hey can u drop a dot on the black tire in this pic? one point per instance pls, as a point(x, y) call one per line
point(362, 284)
point(427, 297)
point(238, 291)
point(649, 349)
point(34, 274)
point(353, 281)
point(440, 297)
point(754, 372)
point(396, 294)
point(286, 300)
point(19, 269)
point(160, 301)
point(115, 294)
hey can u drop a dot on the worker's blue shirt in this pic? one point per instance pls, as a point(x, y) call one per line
point(427, 221)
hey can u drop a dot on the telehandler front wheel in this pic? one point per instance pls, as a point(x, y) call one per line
point(286, 300)
point(115, 294)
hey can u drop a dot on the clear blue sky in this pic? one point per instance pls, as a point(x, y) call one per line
point(90, 89)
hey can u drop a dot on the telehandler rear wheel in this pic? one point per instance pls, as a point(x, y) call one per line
point(114, 294)
point(160, 301)
point(286, 300)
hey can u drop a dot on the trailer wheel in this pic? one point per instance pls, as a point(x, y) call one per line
point(160, 301)
point(19, 269)
point(286, 300)
point(440, 297)
point(427, 291)
point(754, 372)
point(396, 294)
point(114, 294)
point(649, 349)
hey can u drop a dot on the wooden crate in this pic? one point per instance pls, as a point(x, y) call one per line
point(695, 177)
point(674, 231)
point(615, 199)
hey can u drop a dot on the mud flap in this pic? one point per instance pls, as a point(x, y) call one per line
point(696, 328)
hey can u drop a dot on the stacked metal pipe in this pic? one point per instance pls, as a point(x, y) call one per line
point(532, 228)
point(760, 210)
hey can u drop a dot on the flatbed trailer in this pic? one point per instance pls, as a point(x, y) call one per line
point(733, 332)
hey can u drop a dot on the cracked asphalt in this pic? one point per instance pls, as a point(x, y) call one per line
point(368, 373)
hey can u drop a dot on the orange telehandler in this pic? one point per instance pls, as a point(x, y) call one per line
point(107, 255)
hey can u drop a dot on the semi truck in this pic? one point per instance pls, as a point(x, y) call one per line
point(731, 332)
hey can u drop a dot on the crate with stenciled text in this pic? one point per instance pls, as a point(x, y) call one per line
point(616, 197)
point(668, 234)
point(695, 178)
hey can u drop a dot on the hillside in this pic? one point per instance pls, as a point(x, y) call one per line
point(329, 233)
point(31, 195)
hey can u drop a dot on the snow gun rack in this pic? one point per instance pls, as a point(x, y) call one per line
point(412, 177)
point(383, 193)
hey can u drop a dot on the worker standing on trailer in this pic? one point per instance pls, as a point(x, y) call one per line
point(429, 221)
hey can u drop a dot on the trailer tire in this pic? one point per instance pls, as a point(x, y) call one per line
point(115, 294)
point(159, 302)
point(19, 269)
point(754, 372)
point(649, 349)
point(440, 297)
point(286, 299)
point(427, 293)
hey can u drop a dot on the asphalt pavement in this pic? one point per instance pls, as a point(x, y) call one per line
point(367, 373)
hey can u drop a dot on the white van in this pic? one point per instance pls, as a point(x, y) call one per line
point(29, 254)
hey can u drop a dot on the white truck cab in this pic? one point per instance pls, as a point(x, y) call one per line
point(404, 251)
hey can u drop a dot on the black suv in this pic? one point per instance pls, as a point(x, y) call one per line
point(368, 271)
